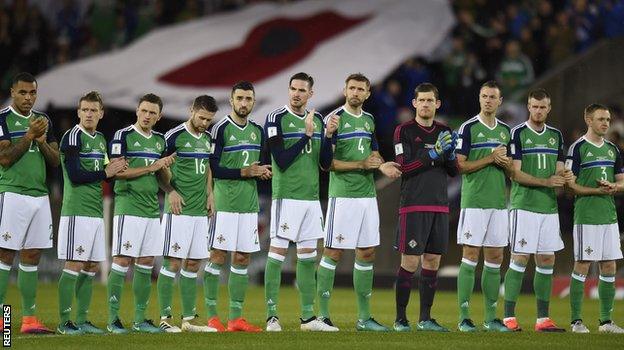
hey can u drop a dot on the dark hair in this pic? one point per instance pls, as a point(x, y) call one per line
point(589, 110)
point(358, 77)
point(490, 84)
point(151, 98)
point(92, 96)
point(427, 87)
point(302, 76)
point(23, 76)
point(205, 102)
point(243, 85)
point(539, 94)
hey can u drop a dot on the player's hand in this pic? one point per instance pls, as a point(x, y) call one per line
point(210, 204)
point(36, 128)
point(116, 166)
point(163, 162)
point(309, 123)
point(443, 144)
point(332, 125)
point(372, 162)
point(556, 181)
point(607, 187)
point(570, 180)
point(450, 154)
point(499, 155)
point(256, 170)
point(176, 202)
point(391, 169)
point(568, 175)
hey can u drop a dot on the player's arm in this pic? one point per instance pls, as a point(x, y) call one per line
point(470, 166)
point(210, 200)
point(618, 169)
point(284, 157)
point(411, 160)
point(78, 175)
point(118, 150)
point(327, 149)
point(573, 164)
point(11, 153)
point(519, 176)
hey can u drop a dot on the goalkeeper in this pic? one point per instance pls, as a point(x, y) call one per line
point(425, 149)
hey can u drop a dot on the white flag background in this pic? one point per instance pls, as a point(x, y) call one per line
point(378, 36)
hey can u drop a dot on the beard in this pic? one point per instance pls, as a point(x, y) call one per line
point(355, 102)
point(242, 112)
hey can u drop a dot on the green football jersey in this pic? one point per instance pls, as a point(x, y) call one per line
point(189, 172)
point(353, 141)
point(83, 199)
point(539, 153)
point(236, 147)
point(484, 188)
point(137, 196)
point(590, 163)
point(300, 180)
point(27, 175)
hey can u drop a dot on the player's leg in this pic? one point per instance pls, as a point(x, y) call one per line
point(403, 288)
point(66, 292)
point(150, 246)
point(123, 250)
point(496, 238)
point(94, 252)
point(577, 291)
point(513, 286)
point(212, 271)
point(470, 234)
point(38, 236)
point(585, 237)
point(549, 242)
point(197, 251)
point(337, 221)
point(523, 241)
point(6, 262)
point(367, 240)
point(436, 244)
point(84, 292)
point(542, 286)
point(238, 281)
point(272, 281)
point(606, 295)
point(164, 286)
point(217, 246)
point(310, 231)
point(610, 252)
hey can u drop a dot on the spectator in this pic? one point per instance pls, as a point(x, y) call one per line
point(515, 72)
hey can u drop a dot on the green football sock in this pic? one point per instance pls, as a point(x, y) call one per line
point(164, 285)
point(237, 287)
point(27, 276)
point(325, 284)
point(363, 285)
point(272, 281)
point(116, 279)
point(84, 291)
point(606, 294)
point(490, 284)
point(577, 291)
point(306, 282)
point(66, 291)
point(465, 286)
point(211, 287)
point(188, 293)
point(141, 286)
point(542, 285)
point(513, 284)
point(5, 273)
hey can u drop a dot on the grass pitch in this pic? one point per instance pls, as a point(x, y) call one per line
point(343, 315)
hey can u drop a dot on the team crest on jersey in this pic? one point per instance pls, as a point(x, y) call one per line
point(503, 136)
point(158, 146)
point(367, 126)
point(253, 136)
point(611, 153)
point(552, 141)
point(412, 244)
